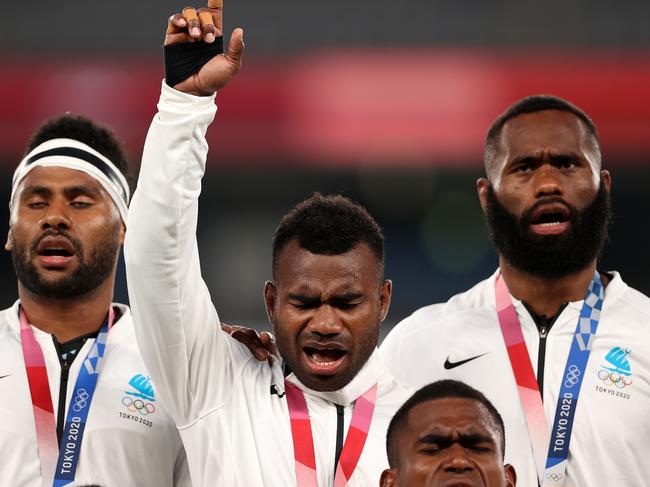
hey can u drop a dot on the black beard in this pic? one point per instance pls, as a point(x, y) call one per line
point(550, 256)
point(86, 278)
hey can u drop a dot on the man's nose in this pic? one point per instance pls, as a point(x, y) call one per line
point(457, 460)
point(547, 181)
point(325, 321)
point(56, 216)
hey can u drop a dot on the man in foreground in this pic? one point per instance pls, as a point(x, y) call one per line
point(58, 422)
point(242, 422)
point(547, 328)
point(447, 433)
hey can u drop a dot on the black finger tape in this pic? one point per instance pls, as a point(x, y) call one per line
point(183, 60)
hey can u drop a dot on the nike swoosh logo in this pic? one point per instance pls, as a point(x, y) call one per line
point(3, 376)
point(452, 365)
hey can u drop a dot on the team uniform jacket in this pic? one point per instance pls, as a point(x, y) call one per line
point(612, 422)
point(122, 446)
point(231, 409)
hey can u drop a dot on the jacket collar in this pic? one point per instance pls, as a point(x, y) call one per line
point(13, 318)
point(614, 290)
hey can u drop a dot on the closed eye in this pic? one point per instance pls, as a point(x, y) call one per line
point(80, 204)
point(345, 304)
point(480, 447)
point(434, 443)
point(430, 450)
point(303, 302)
point(36, 205)
point(478, 443)
point(347, 301)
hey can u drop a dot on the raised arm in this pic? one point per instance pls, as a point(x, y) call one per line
point(177, 327)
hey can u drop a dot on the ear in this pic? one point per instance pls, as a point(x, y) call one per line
point(122, 233)
point(606, 178)
point(511, 475)
point(270, 296)
point(482, 186)
point(385, 294)
point(8, 244)
point(388, 478)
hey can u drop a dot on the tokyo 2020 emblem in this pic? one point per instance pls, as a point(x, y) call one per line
point(617, 371)
point(142, 398)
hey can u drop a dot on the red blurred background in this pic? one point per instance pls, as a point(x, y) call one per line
point(385, 102)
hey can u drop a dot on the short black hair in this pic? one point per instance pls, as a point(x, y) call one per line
point(329, 225)
point(533, 104)
point(78, 127)
point(441, 389)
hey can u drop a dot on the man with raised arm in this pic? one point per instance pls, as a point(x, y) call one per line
point(557, 345)
point(242, 422)
point(77, 405)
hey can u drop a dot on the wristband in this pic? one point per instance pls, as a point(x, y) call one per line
point(185, 59)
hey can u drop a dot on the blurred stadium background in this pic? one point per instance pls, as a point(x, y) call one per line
point(386, 102)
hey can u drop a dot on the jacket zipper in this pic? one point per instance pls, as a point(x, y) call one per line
point(339, 435)
point(543, 325)
point(63, 391)
point(543, 332)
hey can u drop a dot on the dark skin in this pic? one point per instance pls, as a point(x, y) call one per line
point(540, 155)
point(62, 198)
point(70, 200)
point(326, 311)
point(183, 28)
point(449, 442)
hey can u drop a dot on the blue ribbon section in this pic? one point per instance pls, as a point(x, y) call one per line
point(574, 372)
point(78, 409)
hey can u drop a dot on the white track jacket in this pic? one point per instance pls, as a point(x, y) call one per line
point(461, 340)
point(230, 409)
point(122, 446)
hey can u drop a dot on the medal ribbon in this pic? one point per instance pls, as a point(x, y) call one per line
point(61, 472)
point(551, 467)
point(303, 440)
point(574, 372)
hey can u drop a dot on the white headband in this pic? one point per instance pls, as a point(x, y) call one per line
point(76, 155)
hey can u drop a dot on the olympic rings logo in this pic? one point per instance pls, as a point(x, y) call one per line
point(572, 376)
point(610, 378)
point(554, 477)
point(80, 400)
point(138, 405)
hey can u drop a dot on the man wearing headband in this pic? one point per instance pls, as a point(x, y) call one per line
point(242, 423)
point(76, 401)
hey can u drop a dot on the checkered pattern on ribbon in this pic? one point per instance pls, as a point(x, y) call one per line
point(590, 315)
point(574, 373)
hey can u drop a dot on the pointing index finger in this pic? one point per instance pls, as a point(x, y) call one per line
point(215, 4)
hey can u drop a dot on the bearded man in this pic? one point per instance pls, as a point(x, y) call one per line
point(76, 401)
point(547, 328)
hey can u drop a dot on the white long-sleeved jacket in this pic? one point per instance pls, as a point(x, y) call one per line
point(461, 340)
point(230, 408)
point(122, 446)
